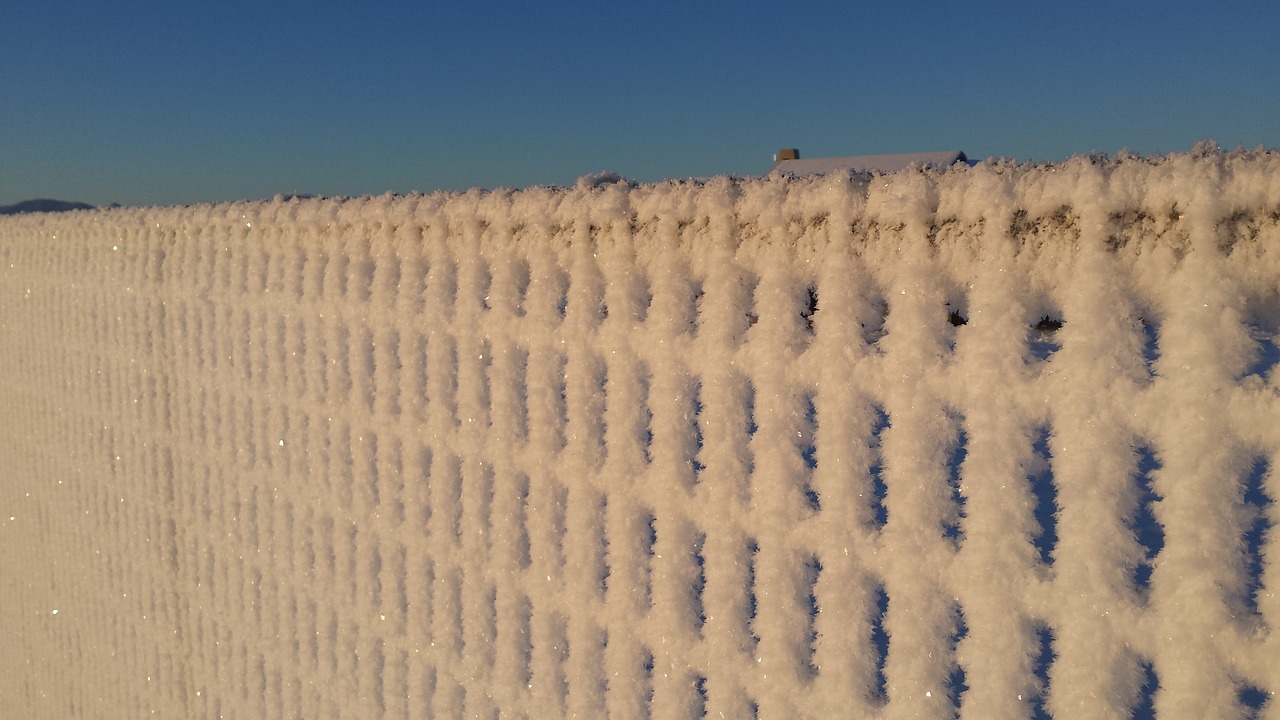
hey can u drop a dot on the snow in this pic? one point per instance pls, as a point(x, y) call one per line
point(995, 441)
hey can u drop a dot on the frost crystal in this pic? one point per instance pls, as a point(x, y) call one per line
point(995, 441)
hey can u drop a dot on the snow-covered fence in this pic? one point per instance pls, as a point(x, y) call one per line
point(998, 441)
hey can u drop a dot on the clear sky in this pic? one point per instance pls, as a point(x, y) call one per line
point(147, 103)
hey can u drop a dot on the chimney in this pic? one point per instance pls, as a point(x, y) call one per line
point(786, 154)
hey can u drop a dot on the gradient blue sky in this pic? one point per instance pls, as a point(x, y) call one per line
point(148, 103)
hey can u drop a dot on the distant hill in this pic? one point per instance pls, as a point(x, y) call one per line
point(42, 205)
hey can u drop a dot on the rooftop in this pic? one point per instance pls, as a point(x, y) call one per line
point(788, 161)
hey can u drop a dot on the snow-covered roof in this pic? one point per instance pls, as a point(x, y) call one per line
point(862, 163)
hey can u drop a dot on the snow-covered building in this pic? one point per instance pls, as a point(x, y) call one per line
point(788, 161)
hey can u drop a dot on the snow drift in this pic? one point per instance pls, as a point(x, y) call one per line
point(998, 441)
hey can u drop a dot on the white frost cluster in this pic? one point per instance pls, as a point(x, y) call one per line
point(996, 441)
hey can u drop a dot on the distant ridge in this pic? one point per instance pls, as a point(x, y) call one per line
point(42, 205)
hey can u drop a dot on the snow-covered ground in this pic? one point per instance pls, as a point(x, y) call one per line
point(998, 441)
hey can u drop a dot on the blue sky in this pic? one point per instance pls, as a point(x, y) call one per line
point(156, 103)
